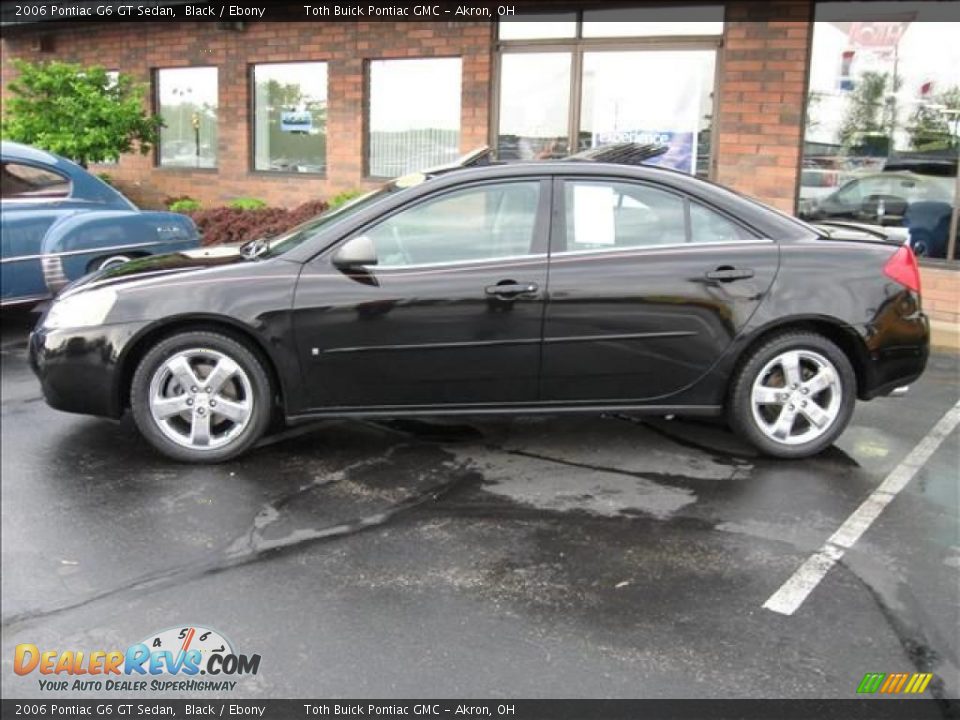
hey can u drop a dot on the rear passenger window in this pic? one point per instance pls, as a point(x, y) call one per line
point(621, 215)
point(707, 226)
point(19, 182)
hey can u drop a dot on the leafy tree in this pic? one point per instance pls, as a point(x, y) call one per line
point(865, 109)
point(82, 113)
point(929, 127)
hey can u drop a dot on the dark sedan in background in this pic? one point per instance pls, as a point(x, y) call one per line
point(568, 286)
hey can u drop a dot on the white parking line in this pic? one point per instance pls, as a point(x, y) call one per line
point(794, 591)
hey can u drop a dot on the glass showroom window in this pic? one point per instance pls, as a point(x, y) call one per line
point(290, 117)
point(534, 106)
point(883, 125)
point(538, 27)
point(414, 119)
point(187, 102)
point(611, 76)
point(617, 106)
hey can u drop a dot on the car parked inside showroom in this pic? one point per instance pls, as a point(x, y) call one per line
point(59, 222)
point(569, 286)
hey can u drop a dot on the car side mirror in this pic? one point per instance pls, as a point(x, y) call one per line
point(355, 253)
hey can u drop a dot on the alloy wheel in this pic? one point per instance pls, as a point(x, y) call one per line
point(201, 399)
point(796, 397)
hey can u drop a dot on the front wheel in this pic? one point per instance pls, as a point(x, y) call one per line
point(793, 395)
point(201, 397)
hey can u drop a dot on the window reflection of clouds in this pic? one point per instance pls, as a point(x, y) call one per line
point(188, 85)
point(407, 94)
point(926, 52)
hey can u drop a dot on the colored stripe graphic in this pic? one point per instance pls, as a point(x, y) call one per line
point(871, 682)
point(894, 683)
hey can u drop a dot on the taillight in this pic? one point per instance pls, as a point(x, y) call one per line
point(902, 267)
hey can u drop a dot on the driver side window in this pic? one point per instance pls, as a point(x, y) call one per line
point(480, 223)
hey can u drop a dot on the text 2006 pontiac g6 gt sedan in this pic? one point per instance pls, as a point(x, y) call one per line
point(526, 288)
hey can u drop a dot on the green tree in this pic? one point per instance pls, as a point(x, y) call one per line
point(82, 113)
point(865, 109)
point(930, 123)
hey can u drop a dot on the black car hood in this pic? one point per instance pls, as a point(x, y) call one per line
point(156, 266)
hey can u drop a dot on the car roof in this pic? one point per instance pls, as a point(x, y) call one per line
point(19, 151)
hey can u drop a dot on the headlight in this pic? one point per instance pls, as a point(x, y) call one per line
point(81, 310)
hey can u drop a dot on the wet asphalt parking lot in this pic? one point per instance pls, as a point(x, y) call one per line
point(550, 557)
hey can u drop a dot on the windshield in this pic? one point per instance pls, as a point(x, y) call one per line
point(306, 230)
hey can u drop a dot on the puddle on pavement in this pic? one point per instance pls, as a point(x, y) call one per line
point(549, 485)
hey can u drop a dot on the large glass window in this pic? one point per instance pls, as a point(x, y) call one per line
point(653, 22)
point(483, 223)
point(187, 102)
point(538, 27)
point(414, 120)
point(534, 106)
point(883, 122)
point(628, 98)
point(290, 117)
point(560, 96)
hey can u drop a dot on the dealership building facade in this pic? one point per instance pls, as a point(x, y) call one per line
point(755, 96)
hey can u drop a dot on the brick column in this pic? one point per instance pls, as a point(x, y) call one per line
point(763, 85)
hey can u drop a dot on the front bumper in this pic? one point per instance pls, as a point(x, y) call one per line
point(80, 369)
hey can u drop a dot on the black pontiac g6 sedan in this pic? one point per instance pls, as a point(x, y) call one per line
point(552, 287)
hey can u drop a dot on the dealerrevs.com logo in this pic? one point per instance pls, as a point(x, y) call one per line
point(171, 660)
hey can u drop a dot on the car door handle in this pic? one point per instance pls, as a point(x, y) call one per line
point(726, 273)
point(512, 289)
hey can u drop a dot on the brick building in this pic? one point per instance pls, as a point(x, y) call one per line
point(760, 75)
point(291, 111)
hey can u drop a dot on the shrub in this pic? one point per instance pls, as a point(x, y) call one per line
point(344, 197)
point(247, 203)
point(107, 178)
point(183, 204)
point(230, 224)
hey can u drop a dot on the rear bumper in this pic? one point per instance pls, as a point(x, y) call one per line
point(79, 369)
point(896, 359)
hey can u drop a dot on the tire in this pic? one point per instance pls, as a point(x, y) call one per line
point(793, 419)
point(180, 403)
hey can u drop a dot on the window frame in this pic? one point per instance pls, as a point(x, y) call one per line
point(541, 226)
point(558, 232)
point(252, 114)
point(578, 46)
point(39, 200)
point(157, 164)
point(367, 102)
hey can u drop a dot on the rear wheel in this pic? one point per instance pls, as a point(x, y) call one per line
point(201, 397)
point(793, 395)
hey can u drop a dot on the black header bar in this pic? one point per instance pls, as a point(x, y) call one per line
point(30, 15)
point(872, 709)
